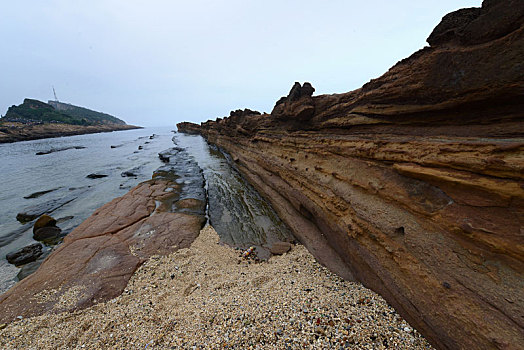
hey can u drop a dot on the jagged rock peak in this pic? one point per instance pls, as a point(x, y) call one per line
point(297, 92)
point(243, 113)
point(471, 26)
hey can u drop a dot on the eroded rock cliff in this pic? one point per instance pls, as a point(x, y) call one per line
point(412, 184)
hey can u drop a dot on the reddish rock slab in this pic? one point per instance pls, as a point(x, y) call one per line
point(96, 260)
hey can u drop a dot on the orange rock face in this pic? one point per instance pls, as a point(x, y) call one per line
point(412, 184)
point(96, 260)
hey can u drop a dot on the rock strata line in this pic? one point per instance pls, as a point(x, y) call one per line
point(412, 184)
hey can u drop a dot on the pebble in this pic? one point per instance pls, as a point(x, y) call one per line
point(230, 305)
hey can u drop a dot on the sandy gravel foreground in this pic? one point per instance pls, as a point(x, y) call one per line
point(207, 297)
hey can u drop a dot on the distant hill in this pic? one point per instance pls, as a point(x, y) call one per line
point(34, 111)
point(81, 112)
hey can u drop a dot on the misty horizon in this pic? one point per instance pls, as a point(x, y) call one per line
point(166, 62)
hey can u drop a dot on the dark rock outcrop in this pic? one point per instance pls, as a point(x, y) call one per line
point(297, 106)
point(473, 26)
point(188, 128)
point(44, 221)
point(48, 233)
point(25, 255)
point(243, 113)
point(165, 156)
point(131, 172)
point(96, 176)
point(412, 184)
point(45, 230)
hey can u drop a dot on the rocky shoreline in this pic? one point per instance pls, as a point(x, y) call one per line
point(413, 183)
point(96, 260)
point(14, 132)
point(208, 297)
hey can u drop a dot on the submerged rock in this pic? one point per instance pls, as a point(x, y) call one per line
point(53, 150)
point(40, 193)
point(131, 172)
point(32, 212)
point(190, 206)
point(31, 267)
point(167, 154)
point(96, 176)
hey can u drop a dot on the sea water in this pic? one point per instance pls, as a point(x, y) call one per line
point(240, 216)
point(23, 172)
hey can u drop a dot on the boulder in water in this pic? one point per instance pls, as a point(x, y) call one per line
point(44, 221)
point(131, 172)
point(47, 233)
point(25, 255)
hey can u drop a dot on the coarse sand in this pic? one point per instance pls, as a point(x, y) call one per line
point(208, 297)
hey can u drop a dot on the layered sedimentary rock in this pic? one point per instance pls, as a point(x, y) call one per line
point(412, 184)
point(189, 128)
point(96, 260)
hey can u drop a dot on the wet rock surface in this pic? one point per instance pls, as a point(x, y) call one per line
point(32, 212)
point(96, 176)
point(167, 154)
point(241, 217)
point(131, 172)
point(98, 257)
point(412, 184)
point(185, 172)
point(53, 150)
point(47, 234)
point(39, 193)
point(44, 221)
point(25, 255)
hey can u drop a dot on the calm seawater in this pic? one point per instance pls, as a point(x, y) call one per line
point(22, 173)
point(237, 212)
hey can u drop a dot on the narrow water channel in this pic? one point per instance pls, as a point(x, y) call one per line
point(241, 217)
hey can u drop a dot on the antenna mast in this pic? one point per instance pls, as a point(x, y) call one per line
point(54, 93)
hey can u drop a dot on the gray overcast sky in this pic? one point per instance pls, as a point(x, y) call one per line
point(158, 62)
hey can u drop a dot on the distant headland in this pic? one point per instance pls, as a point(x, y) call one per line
point(34, 119)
